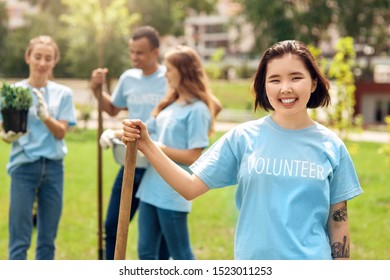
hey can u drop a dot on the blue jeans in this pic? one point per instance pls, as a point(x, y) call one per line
point(156, 223)
point(111, 223)
point(43, 179)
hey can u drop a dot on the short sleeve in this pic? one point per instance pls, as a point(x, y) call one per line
point(151, 125)
point(218, 166)
point(345, 183)
point(118, 97)
point(198, 127)
point(67, 112)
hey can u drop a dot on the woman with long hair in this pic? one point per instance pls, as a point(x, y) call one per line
point(181, 125)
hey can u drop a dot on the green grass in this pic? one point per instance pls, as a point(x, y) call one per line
point(212, 220)
point(78, 234)
point(369, 214)
point(233, 95)
point(237, 100)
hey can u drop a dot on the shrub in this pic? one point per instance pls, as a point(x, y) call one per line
point(17, 98)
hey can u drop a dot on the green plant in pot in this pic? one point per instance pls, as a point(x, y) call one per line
point(14, 104)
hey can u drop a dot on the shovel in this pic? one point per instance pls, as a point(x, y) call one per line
point(126, 200)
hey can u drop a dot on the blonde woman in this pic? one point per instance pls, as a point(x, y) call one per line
point(36, 160)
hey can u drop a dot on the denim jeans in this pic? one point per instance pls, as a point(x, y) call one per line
point(111, 223)
point(43, 179)
point(155, 223)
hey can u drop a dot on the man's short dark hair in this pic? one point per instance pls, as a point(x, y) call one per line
point(149, 33)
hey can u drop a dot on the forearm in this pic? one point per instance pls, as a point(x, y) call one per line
point(118, 133)
point(1, 129)
point(107, 105)
point(182, 156)
point(57, 128)
point(97, 82)
point(339, 231)
point(189, 186)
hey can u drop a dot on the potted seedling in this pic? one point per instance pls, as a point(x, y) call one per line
point(14, 105)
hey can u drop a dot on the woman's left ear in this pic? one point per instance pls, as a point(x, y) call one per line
point(314, 85)
point(27, 58)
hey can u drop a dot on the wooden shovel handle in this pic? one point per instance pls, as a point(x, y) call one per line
point(126, 199)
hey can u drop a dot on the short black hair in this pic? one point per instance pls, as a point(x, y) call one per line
point(149, 33)
point(320, 96)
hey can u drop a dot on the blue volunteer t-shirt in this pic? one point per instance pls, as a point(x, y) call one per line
point(180, 126)
point(138, 93)
point(287, 180)
point(39, 141)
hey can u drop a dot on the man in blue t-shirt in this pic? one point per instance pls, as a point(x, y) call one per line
point(138, 91)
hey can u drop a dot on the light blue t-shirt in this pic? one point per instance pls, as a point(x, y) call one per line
point(39, 141)
point(180, 126)
point(287, 180)
point(138, 93)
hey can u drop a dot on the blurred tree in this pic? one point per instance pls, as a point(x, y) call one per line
point(168, 15)
point(367, 22)
point(3, 32)
point(275, 21)
point(309, 20)
point(305, 20)
point(342, 116)
point(41, 20)
point(15, 44)
point(339, 69)
point(46, 22)
point(53, 7)
point(213, 68)
point(90, 33)
point(97, 32)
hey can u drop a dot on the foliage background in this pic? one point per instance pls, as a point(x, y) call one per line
point(84, 48)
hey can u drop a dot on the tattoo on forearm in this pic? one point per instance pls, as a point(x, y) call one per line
point(340, 215)
point(340, 250)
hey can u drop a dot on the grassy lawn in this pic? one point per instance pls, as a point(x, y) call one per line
point(212, 221)
point(369, 214)
point(237, 100)
point(234, 95)
point(77, 236)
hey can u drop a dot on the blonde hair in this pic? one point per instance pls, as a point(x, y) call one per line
point(45, 40)
point(193, 79)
